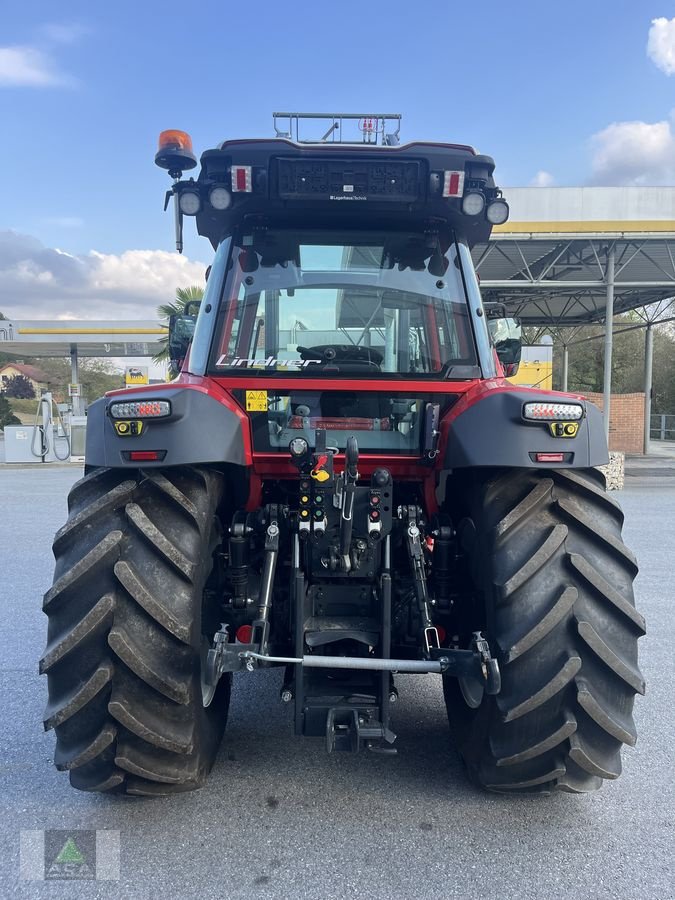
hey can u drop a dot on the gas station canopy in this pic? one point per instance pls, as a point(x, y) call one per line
point(101, 339)
point(565, 251)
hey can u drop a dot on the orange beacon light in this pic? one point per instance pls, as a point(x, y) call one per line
point(175, 152)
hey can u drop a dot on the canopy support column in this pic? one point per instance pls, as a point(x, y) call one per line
point(649, 359)
point(75, 379)
point(565, 366)
point(609, 325)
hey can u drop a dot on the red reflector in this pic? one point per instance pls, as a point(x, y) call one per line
point(241, 179)
point(244, 634)
point(453, 184)
point(549, 457)
point(441, 634)
point(144, 455)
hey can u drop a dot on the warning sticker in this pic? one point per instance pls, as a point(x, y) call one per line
point(256, 401)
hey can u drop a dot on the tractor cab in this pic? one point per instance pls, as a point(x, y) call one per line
point(344, 263)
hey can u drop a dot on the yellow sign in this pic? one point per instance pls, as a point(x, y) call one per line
point(256, 401)
point(136, 375)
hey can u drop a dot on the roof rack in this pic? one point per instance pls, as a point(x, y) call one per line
point(381, 128)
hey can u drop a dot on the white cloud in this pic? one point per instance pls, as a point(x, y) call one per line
point(634, 153)
point(29, 67)
point(41, 282)
point(542, 179)
point(661, 44)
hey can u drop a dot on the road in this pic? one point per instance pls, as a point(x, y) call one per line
point(279, 818)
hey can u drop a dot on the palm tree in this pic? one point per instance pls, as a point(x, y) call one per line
point(184, 297)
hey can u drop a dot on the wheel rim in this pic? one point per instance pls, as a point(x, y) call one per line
point(208, 690)
point(472, 691)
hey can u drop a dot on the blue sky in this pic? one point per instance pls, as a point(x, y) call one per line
point(559, 93)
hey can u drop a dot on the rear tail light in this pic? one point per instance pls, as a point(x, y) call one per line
point(242, 179)
point(550, 457)
point(453, 184)
point(140, 409)
point(545, 412)
point(146, 455)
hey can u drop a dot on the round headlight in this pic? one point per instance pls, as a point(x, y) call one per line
point(497, 212)
point(190, 203)
point(473, 203)
point(298, 447)
point(220, 198)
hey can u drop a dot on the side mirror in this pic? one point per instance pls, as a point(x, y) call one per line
point(506, 334)
point(181, 330)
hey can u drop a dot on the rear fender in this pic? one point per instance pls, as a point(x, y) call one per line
point(205, 426)
point(486, 428)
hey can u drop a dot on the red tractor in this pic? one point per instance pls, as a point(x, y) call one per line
point(341, 482)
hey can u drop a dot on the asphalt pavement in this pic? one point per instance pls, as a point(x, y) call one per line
point(280, 818)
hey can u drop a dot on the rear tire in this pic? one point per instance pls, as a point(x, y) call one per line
point(554, 580)
point(125, 632)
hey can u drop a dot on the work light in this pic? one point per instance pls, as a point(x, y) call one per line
point(497, 212)
point(190, 203)
point(473, 203)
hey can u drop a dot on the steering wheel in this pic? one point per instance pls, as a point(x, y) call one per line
point(337, 353)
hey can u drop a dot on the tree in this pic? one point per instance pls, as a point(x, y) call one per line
point(97, 376)
point(19, 387)
point(586, 362)
point(177, 307)
point(7, 417)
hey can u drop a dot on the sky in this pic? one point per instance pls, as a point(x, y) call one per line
point(559, 94)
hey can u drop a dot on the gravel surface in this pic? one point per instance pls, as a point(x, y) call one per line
point(280, 818)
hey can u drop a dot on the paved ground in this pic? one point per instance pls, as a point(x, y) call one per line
point(281, 819)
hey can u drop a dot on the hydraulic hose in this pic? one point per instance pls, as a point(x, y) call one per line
point(350, 478)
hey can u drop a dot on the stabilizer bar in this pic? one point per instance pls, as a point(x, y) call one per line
point(356, 662)
point(478, 664)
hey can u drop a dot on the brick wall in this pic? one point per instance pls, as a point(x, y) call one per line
point(626, 420)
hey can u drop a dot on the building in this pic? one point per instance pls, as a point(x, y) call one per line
point(38, 378)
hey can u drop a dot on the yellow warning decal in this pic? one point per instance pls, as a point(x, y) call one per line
point(564, 429)
point(256, 401)
point(128, 429)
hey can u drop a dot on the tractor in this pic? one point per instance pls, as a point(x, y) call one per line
point(341, 482)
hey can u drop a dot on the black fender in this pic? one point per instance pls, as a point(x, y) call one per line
point(200, 429)
point(492, 432)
